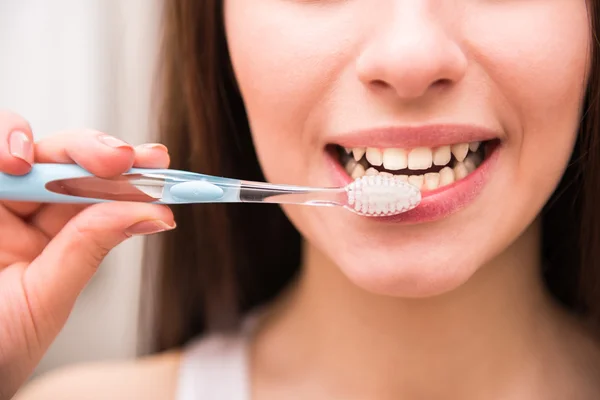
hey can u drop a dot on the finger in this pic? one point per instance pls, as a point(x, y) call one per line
point(100, 154)
point(16, 154)
point(21, 209)
point(51, 218)
point(16, 144)
point(18, 242)
point(56, 277)
point(151, 155)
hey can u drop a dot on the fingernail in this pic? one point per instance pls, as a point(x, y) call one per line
point(156, 146)
point(113, 142)
point(19, 145)
point(149, 227)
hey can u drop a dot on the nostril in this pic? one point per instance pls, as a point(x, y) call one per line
point(442, 83)
point(379, 84)
point(410, 89)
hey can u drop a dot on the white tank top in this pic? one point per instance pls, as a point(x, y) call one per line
point(215, 367)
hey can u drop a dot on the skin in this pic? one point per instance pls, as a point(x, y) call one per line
point(49, 252)
point(433, 302)
point(330, 67)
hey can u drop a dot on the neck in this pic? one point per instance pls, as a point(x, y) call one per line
point(480, 330)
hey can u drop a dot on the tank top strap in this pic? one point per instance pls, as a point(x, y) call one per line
point(215, 367)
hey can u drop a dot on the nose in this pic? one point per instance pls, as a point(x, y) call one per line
point(410, 53)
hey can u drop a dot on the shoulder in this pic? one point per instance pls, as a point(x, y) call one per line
point(153, 377)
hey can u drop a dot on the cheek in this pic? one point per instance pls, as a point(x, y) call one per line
point(537, 71)
point(278, 51)
point(537, 68)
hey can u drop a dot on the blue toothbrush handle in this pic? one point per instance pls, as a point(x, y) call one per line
point(179, 186)
point(32, 186)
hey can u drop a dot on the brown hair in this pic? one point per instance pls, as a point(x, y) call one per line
point(224, 260)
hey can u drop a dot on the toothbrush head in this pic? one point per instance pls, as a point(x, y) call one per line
point(381, 196)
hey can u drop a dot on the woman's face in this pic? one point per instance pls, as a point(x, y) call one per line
point(475, 101)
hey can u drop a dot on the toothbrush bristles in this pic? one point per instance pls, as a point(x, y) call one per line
point(380, 196)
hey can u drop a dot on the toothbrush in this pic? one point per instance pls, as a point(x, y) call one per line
point(70, 183)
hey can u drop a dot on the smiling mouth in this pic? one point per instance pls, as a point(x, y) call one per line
point(426, 168)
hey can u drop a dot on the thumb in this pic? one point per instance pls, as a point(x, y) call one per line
point(54, 280)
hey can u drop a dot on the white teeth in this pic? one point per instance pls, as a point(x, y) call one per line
point(350, 165)
point(472, 162)
point(358, 153)
point(374, 156)
point(474, 146)
point(416, 180)
point(372, 172)
point(442, 155)
point(460, 171)
point(432, 180)
point(460, 151)
point(446, 176)
point(358, 171)
point(395, 159)
point(420, 158)
point(429, 182)
point(469, 165)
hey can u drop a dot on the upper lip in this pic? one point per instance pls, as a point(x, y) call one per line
point(409, 137)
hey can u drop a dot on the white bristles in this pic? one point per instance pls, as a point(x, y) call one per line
point(379, 196)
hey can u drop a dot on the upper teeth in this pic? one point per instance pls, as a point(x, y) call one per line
point(395, 159)
point(419, 158)
point(460, 151)
point(374, 156)
point(442, 155)
point(358, 152)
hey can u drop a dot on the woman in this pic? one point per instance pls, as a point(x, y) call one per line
point(486, 291)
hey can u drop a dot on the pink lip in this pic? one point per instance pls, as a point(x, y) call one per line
point(439, 203)
point(414, 136)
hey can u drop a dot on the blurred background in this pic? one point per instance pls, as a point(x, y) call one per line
point(69, 64)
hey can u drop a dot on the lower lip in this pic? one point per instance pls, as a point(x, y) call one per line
point(436, 204)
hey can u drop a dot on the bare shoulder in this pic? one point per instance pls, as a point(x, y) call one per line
point(150, 378)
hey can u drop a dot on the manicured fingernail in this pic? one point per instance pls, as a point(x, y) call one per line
point(113, 142)
point(20, 146)
point(149, 227)
point(157, 146)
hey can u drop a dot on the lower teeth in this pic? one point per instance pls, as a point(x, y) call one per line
point(428, 181)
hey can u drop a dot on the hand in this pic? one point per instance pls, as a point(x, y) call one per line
point(48, 252)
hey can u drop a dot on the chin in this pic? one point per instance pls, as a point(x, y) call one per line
point(400, 274)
